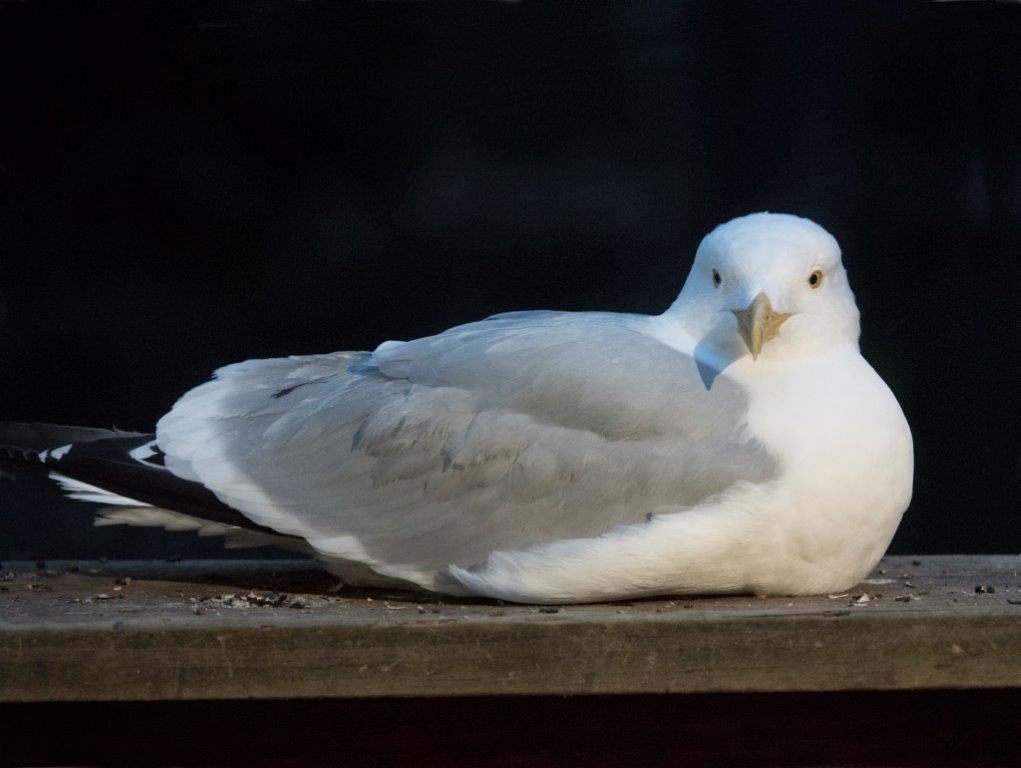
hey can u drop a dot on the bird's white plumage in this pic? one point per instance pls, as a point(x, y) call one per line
point(80, 491)
point(581, 456)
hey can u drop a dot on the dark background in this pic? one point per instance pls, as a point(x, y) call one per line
point(877, 729)
point(192, 184)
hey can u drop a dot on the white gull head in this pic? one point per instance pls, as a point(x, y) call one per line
point(774, 281)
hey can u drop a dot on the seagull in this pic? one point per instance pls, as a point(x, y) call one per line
point(738, 443)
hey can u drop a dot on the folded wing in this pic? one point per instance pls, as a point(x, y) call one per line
point(505, 434)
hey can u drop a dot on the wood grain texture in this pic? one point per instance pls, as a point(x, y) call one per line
point(167, 632)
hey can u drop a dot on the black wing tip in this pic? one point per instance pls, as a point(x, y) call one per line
point(18, 438)
point(104, 458)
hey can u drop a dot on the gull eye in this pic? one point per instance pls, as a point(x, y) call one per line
point(815, 279)
point(717, 279)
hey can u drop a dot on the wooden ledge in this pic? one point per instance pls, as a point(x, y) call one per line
point(274, 629)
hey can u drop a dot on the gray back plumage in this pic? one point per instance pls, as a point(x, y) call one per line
point(507, 433)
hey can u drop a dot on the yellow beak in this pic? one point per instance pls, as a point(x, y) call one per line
point(759, 323)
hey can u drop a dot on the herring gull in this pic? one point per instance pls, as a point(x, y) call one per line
point(736, 443)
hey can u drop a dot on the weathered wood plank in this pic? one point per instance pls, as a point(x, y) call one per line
point(169, 634)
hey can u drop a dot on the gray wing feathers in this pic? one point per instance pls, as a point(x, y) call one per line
point(503, 434)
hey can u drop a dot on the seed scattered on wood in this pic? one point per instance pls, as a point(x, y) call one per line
point(984, 589)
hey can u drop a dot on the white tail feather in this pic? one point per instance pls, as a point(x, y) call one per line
point(76, 489)
point(120, 510)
